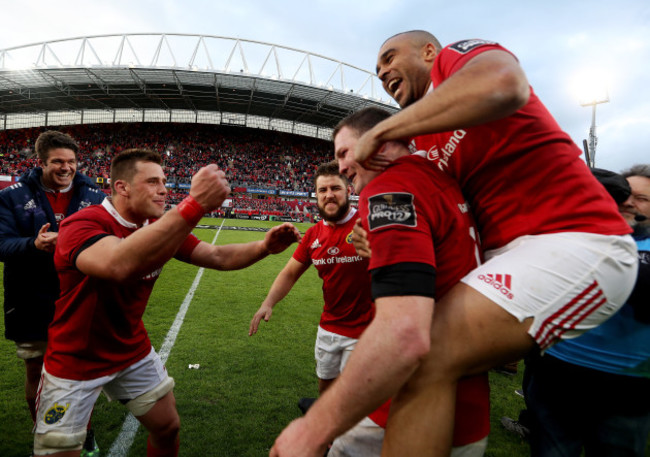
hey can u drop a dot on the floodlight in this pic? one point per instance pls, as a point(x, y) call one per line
point(592, 91)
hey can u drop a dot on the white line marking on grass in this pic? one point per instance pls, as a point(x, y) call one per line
point(123, 442)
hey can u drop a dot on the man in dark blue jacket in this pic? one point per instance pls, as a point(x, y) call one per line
point(30, 213)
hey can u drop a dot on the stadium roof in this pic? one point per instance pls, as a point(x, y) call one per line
point(180, 78)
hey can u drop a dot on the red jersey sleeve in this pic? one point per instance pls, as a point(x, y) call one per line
point(453, 57)
point(73, 236)
point(397, 229)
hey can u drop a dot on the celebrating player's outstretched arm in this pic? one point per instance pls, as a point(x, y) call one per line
point(282, 285)
point(154, 244)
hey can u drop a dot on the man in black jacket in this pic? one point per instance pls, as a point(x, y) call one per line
point(30, 213)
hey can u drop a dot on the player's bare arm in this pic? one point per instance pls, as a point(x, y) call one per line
point(490, 86)
point(150, 247)
point(387, 354)
point(238, 256)
point(281, 286)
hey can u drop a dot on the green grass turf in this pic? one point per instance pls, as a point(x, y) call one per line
point(247, 388)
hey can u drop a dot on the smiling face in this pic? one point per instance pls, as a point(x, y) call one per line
point(403, 66)
point(638, 203)
point(146, 192)
point(344, 144)
point(59, 168)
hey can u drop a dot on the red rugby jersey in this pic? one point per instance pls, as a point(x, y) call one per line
point(415, 213)
point(348, 307)
point(522, 174)
point(97, 327)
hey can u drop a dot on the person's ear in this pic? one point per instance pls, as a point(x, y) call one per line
point(392, 150)
point(122, 187)
point(429, 52)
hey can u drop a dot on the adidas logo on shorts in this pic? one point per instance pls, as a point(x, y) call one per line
point(502, 283)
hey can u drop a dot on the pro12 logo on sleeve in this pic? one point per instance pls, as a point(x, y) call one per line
point(391, 209)
point(463, 47)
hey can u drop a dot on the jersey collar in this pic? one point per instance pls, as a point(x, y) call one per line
point(348, 216)
point(108, 206)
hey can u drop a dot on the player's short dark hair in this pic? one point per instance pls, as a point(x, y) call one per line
point(123, 164)
point(53, 139)
point(362, 121)
point(642, 170)
point(419, 38)
point(330, 169)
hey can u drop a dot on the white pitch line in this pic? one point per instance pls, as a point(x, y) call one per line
point(123, 442)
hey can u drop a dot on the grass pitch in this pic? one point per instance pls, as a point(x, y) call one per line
point(246, 388)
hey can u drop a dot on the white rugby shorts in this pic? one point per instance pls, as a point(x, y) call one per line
point(331, 352)
point(65, 405)
point(366, 438)
point(567, 282)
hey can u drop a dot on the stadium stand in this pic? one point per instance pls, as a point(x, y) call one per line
point(270, 172)
point(262, 112)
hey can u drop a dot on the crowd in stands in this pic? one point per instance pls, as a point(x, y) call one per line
point(297, 209)
point(250, 158)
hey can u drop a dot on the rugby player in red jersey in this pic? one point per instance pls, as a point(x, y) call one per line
point(424, 242)
point(108, 258)
point(348, 308)
point(559, 257)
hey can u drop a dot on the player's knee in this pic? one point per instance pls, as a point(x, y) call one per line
point(166, 433)
point(141, 405)
point(171, 429)
point(54, 442)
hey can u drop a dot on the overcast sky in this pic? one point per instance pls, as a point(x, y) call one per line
point(563, 46)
